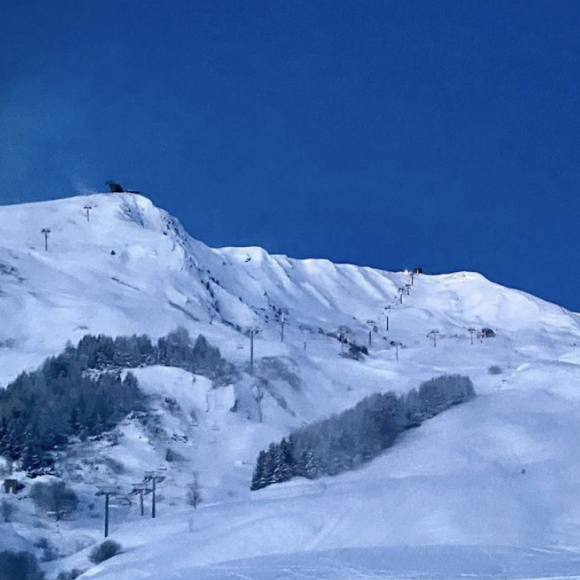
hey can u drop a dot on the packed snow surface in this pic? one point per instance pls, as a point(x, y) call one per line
point(487, 489)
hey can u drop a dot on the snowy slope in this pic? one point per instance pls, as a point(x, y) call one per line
point(456, 481)
point(157, 277)
point(437, 563)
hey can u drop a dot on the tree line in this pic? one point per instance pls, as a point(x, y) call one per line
point(41, 410)
point(82, 392)
point(347, 440)
point(177, 349)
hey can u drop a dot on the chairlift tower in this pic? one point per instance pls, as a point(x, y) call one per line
point(46, 233)
point(252, 331)
point(372, 325)
point(401, 291)
point(283, 321)
point(471, 331)
point(107, 491)
point(154, 477)
point(396, 344)
point(433, 334)
point(385, 315)
point(141, 489)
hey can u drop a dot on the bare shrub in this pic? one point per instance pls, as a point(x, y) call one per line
point(105, 551)
point(69, 574)
point(193, 495)
point(49, 551)
point(114, 465)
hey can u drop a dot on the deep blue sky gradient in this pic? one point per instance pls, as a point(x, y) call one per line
point(388, 133)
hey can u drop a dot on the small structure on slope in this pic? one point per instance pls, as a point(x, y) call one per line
point(115, 187)
point(12, 486)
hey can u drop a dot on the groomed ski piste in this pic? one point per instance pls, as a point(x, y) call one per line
point(488, 489)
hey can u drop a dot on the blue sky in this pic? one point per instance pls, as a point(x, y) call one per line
point(386, 133)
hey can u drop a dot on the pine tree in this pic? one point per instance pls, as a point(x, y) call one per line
point(258, 477)
point(284, 468)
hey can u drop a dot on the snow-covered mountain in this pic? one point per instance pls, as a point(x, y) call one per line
point(485, 483)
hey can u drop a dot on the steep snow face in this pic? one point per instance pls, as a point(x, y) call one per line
point(482, 474)
point(132, 268)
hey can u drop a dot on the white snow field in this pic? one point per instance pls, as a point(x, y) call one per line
point(488, 489)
